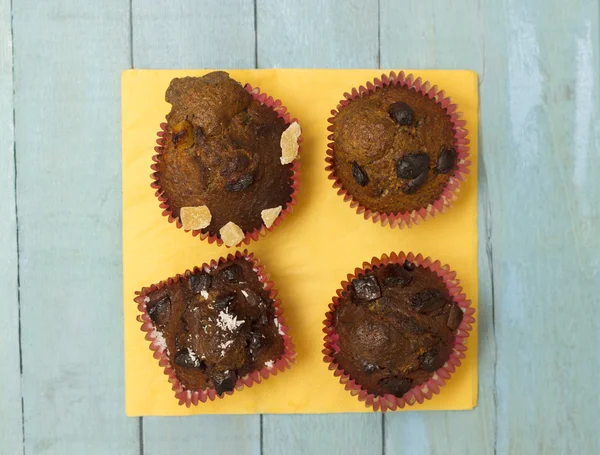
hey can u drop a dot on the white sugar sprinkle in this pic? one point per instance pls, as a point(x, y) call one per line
point(146, 299)
point(228, 322)
point(245, 293)
point(269, 364)
point(204, 294)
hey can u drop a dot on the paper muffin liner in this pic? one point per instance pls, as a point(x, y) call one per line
point(421, 392)
point(452, 187)
point(281, 111)
point(158, 346)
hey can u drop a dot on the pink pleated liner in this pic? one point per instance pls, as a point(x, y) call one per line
point(193, 397)
point(420, 392)
point(281, 111)
point(449, 194)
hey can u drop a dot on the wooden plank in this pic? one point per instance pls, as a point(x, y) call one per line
point(215, 435)
point(333, 434)
point(11, 429)
point(444, 35)
point(317, 34)
point(193, 34)
point(68, 60)
point(215, 35)
point(541, 115)
point(335, 34)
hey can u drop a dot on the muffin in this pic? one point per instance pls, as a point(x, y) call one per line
point(226, 165)
point(396, 328)
point(216, 328)
point(397, 148)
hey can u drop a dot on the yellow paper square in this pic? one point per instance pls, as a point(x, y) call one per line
point(307, 256)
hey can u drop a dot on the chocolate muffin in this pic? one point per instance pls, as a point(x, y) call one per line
point(396, 326)
point(225, 168)
point(217, 325)
point(394, 149)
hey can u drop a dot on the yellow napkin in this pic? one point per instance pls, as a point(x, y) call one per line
point(307, 256)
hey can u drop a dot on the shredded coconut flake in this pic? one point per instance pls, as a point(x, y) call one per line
point(224, 346)
point(269, 364)
point(245, 293)
point(204, 294)
point(160, 340)
point(228, 322)
point(146, 299)
point(278, 325)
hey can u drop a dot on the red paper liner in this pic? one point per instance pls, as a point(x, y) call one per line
point(249, 236)
point(420, 392)
point(449, 194)
point(193, 397)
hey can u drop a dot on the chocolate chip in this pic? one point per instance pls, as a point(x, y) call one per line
point(224, 301)
point(430, 361)
point(263, 320)
point(199, 136)
point(402, 113)
point(255, 343)
point(159, 307)
point(359, 174)
point(200, 282)
point(239, 184)
point(395, 385)
point(252, 297)
point(446, 160)
point(427, 300)
point(410, 266)
point(454, 317)
point(396, 276)
point(413, 185)
point(412, 165)
point(366, 288)
point(185, 358)
point(411, 326)
point(368, 367)
point(232, 273)
point(224, 382)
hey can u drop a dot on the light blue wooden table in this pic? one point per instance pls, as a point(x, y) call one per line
point(61, 376)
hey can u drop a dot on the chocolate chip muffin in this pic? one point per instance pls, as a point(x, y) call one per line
point(225, 167)
point(216, 325)
point(394, 148)
point(396, 326)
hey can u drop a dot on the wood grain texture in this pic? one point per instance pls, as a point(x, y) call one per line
point(215, 435)
point(215, 35)
point(446, 35)
point(337, 434)
point(335, 34)
point(317, 34)
point(541, 125)
point(68, 60)
point(193, 34)
point(11, 427)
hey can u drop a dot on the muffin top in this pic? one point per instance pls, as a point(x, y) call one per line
point(393, 149)
point(222, 163)
point(396, 327)
point(217, 326)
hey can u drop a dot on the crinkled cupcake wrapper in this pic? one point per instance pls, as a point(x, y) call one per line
point(281, 111)
point(450, 191)
point(420, 392)
point(193, 397)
